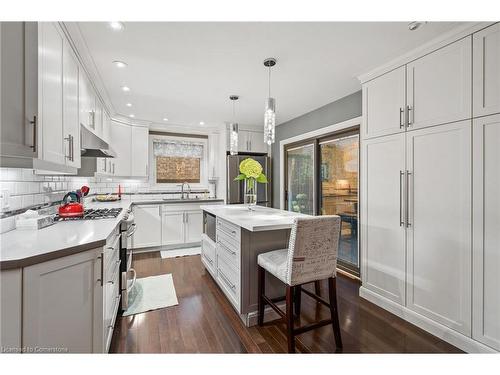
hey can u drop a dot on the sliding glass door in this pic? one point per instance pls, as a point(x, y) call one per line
point(300, 184)
point(321, 178)
point(339, 191)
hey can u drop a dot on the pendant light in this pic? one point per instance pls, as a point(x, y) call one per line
point(233, 129)
point(270, 112)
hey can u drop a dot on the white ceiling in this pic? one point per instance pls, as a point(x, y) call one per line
point(186, 71)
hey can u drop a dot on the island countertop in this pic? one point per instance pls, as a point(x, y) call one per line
point(256, 220)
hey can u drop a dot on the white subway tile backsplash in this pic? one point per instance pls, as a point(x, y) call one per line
point(26, 188)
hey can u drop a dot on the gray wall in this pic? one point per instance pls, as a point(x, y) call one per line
point(337, 111)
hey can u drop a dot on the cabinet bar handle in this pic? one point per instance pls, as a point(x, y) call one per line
point(401, 220)
point(410, 112)
point(227, 249)
point(35, 126)
point(226, 280)
point(101, 257)
point(401, 118)
point(407, 213)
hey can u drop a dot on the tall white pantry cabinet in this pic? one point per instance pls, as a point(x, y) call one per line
point(430, 177)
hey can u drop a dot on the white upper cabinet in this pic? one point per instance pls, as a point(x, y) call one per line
point(87, 101)
point(139, 151)
point(486, 77)
point(383, 234)
point(440, 85)
point(71, 125)
point(439, 224)
point(121, 135)
point(486, 233)
point(384, 104)
point(98, 117)
point(257, 143)
point(249, 141)
point(106, 124)
point(18, 82)
point(50, 92)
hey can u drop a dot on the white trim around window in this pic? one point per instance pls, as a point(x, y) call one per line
point(312, 134)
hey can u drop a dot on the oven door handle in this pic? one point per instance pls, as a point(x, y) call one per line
point(129, 288)
point(130, 233)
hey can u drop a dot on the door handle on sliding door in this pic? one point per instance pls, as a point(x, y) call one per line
point(401, 194)
point(407, 208)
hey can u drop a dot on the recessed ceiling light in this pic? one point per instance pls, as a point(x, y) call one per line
point(120, 64)
point(129, 104)
point(165, 119)
point(116, 26)
point(415, 25)
point(125, 88)
point(202, 123)
point(131, 115)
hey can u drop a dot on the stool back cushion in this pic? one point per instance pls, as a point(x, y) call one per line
point(313, 249)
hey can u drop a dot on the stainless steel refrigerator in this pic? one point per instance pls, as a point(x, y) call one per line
point(235, 188)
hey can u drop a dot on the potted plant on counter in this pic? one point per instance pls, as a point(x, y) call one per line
point(251, 174)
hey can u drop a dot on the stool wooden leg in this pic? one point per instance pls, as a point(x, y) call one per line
point(334, 311)
point(261, 288)
point(317, 288)
point(297, 299)
point(289, 319)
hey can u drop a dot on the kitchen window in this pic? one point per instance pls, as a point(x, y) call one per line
point(178, 159)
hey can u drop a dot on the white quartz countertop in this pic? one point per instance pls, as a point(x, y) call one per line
point(21, 248)
point(260, 219)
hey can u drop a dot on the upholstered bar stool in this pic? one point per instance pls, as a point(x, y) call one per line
point(311, 256)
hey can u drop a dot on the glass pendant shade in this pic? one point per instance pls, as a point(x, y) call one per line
point(270, 121)
point(233, 138)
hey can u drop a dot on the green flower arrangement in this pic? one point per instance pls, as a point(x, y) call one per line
point(251, 169)
point(251, 173)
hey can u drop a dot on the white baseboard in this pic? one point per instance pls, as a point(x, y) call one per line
point(449, 335)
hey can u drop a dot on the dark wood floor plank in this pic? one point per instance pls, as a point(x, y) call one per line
point(205, 322)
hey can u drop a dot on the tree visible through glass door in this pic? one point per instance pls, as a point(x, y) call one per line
point(300, 179)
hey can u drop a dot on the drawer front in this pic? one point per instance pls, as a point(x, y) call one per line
point(112, 250)
point(233, 231)
point(208, 254)
point(229, 251)
point(228, 279)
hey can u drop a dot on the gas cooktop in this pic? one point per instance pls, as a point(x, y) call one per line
point(93, 214)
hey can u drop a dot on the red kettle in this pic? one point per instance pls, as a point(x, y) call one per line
point(72, 203)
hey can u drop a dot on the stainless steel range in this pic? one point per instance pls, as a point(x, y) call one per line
point(93, 214)
point(128, 275)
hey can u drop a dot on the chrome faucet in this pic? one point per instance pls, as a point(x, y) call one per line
point(182, 190)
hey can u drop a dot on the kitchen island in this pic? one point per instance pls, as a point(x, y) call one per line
point(230, 255)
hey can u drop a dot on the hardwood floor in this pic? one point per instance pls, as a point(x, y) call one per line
point(205, 322)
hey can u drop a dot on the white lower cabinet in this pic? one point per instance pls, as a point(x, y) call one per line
point(172, 228)
point(193, 226)
point(486, 231)
point(439, 224)
point(383, 230)
point(148, 220)
point(62, 304)
point(70, 304)
point(11, 305)
point(167, 225)
point(208, 257)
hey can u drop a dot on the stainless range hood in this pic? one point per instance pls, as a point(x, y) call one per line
point(94, 147)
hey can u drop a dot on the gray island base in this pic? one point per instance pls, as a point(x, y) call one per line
point(230, 256)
